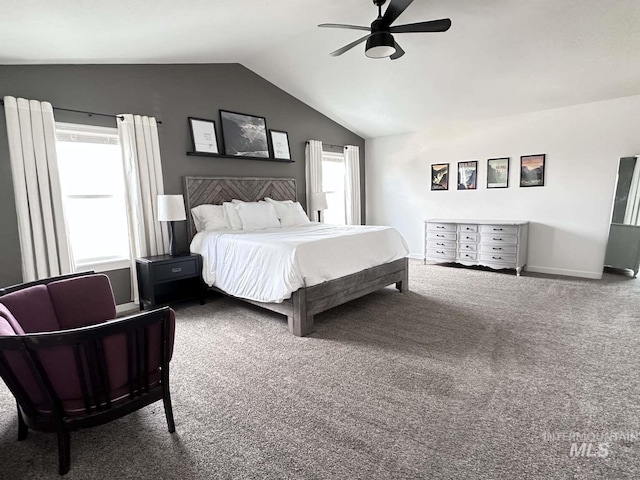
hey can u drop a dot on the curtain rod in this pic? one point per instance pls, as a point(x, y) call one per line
point(329, 145)
point(91, 114)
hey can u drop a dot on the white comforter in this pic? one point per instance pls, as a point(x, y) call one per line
point(269, 265)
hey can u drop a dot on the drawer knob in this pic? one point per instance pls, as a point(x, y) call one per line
point(440, 236)
point(467, 246)
point(497, 248)
point(440, 244)
point(438, 251)
point(497, 229)
point(469, 238)
point(498, 239)
point(438, 226)
point(497, 258)
point(176, 270)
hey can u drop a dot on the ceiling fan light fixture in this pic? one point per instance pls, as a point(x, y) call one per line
point(380, 45)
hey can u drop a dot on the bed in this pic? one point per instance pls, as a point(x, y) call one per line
point(309, 298)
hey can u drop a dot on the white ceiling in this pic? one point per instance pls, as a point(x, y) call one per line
point(500, 57)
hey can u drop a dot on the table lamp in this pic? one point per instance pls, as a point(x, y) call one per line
point(171, 209)
point(319, 202)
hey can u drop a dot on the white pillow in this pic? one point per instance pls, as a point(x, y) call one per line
point(271, 200)
point(231, 217)
point(208, 217)
point(290, 214)
point(257, 216)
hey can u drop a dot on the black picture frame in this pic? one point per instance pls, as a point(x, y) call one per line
point(439, 176)
point(532, 169)
point(470, 172)
point(236, 142)
point(199, 145)
point(281, 149)
point(494, 172)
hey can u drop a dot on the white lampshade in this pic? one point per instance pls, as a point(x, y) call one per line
point(319, 201)
point(171, 208)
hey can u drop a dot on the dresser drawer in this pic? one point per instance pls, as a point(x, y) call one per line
point(433, 235)
point(468, 237)
point(498, 258)
point(467, 228)
point(440, 254)
point(175, 270)
point(502, 229)
point(468, 247)
point(498, 238)
point(441, 227)
point(440, 244)
point(493, 248)
point(467, 256)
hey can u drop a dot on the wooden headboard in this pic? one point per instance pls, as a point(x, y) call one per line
point(215, 190)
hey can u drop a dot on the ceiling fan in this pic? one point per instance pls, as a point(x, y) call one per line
point(380, 41)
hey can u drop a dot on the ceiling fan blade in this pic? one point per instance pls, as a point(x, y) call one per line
point(399, 52)
point(432, 26)
point(394, 10)
point(339, 25)
point(346, 48)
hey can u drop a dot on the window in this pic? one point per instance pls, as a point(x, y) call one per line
point(93, 194)
point(333, 183)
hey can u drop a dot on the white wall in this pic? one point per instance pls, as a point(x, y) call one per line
point(569, 216)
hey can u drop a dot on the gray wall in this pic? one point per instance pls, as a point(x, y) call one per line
point(171, 93)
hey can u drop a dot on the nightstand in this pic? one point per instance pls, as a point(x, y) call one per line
point(163, 279)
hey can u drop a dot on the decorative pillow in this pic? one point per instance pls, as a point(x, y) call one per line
point(231, 217)
point(208, 217)
point(257, 216)
point(290, 214)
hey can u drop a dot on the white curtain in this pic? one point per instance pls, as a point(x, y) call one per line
point(632, 212)
point(143, 183)
point(313, 169)
point(44, 243)
point(352, 185)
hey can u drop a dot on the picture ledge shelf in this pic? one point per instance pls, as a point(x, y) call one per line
point(238, 157)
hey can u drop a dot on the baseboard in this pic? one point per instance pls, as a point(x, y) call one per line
point(547, 270)
point(565, 272)
point(125, 307)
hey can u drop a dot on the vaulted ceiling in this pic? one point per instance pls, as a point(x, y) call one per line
point(500, 57)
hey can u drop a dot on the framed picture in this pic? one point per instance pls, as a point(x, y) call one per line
point(467, 175)
point(440, 176)
point(203, 135)
point(498, 173)
point(244, 135)
point(280, 145)
point(532, 170)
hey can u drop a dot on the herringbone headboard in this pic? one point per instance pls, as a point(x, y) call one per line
point(215, 190)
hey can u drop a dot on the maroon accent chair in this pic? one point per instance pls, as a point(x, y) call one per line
point(70, 364)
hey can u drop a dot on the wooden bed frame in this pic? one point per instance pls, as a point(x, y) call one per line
point(305, 302)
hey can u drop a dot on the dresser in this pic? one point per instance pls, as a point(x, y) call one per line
point(491, 243)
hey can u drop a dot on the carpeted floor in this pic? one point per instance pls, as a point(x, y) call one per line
point(465, 377)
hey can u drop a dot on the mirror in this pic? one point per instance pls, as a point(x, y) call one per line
point(623, 195)
point(623, 247)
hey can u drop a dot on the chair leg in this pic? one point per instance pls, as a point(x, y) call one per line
point(23, 430)
point(168, 411)
point(64, 452)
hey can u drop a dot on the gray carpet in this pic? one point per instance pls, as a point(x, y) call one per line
point(460, 378)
